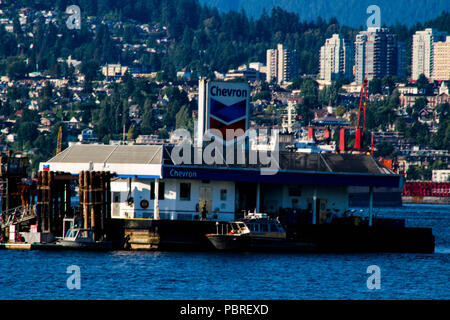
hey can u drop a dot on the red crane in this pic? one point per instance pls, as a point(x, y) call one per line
point(359, 135)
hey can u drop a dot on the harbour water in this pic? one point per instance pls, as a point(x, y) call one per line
point(210, 275)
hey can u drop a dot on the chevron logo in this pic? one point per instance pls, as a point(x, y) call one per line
point(228, 114)
point(223, 117)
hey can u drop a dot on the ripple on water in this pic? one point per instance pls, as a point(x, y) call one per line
point(191, 275)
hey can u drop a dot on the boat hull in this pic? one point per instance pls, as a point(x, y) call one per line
point(94, 246)
point(258, 244)
point(227, 242)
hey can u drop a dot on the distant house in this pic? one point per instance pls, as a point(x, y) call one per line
point(134, 111)
point(149, 139)
point(114, 72)
point(33, 105)
point(87, 136)
point(12, 137)
point(47, 121)
point(73, 123)
point(19, 113)
point(184, 74)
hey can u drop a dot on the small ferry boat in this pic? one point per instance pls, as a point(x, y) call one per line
point(256, 233)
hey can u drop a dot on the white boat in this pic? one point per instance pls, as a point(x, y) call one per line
point(256, 233)
point(81, 238)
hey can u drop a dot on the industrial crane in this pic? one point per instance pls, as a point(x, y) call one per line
point(359, 132)
point(359, 135)
point(59, 142)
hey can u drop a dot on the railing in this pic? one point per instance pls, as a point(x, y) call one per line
point(427, 188)
point(16, 215)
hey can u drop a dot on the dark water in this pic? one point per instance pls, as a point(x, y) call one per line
point(179, 275)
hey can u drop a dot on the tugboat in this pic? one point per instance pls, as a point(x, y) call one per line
point(256, 233)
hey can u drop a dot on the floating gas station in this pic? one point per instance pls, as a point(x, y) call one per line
point(170, 196)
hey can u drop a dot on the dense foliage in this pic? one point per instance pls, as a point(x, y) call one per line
point(182, 35)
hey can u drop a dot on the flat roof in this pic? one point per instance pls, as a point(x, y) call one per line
point(295, 161)
point(156, 161)
point(97, 153)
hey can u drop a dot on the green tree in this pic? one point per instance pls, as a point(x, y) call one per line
point(304, 114)
point(422, 83)
point(184, 119)
point(130, 134)
point(375, 86)
point(148, 119)
point(309, 90)
point(385, 149)
point(17, 70)
point(419, 104)
point(27, 131)
point(340, 110)
point(413, 173)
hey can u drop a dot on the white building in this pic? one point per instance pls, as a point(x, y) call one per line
point(378, 54)
point(245, 72)
point(423, 52)
point(440, 175)
point(336, 59)
point(281, 64)
point(272, 65)
point(114, 71)
point(149, 185)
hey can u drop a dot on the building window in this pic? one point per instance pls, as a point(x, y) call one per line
point(223, 195)
point(185, 191)
point(116, 197)
point(161, 191)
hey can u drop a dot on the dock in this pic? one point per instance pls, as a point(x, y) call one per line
point(148, 202)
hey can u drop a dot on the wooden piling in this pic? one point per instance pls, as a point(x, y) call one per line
point(44, 188)
point(39, 202)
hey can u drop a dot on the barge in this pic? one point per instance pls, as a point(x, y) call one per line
point(157, 204)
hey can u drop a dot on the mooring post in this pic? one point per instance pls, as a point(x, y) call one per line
point(108, 195)
point(56, 203)
point(91, 210)
point(370, 204)
point(156, 202)
point(314, 219)
point(39, 202)
point(50, 201)
point(85, 199)
point(258, 197)
point(81, 194)
point(102, 202)
point(44, 201)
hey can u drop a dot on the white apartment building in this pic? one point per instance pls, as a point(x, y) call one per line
point(336, 59)
point(423, 52)
point(281, 64)
point(378, 54)
point(272, 65)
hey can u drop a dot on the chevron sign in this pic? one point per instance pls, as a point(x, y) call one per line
point(228, 106)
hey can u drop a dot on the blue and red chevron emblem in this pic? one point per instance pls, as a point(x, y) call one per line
point(223, 117)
